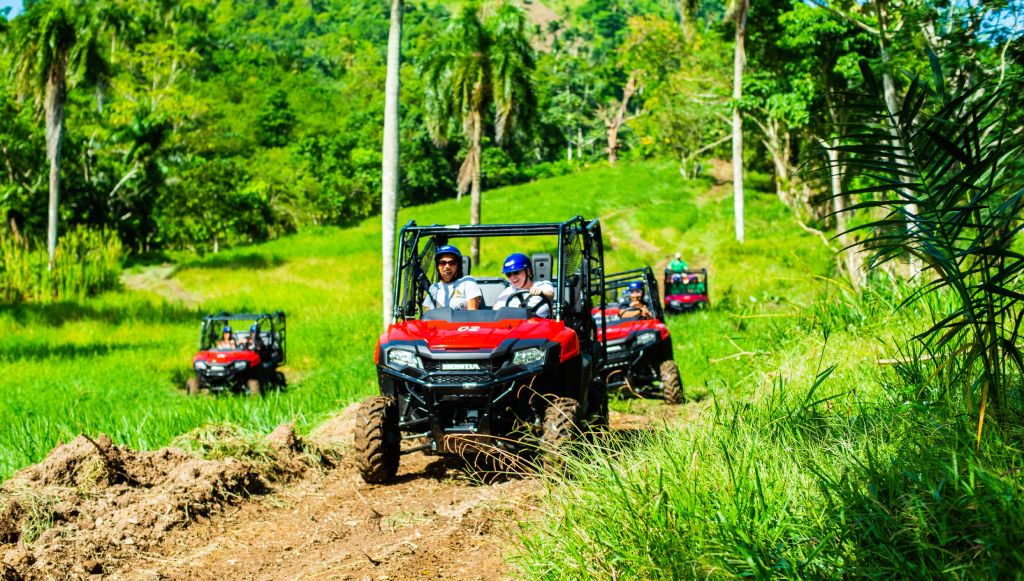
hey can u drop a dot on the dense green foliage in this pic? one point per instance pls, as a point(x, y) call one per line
point(208, 124)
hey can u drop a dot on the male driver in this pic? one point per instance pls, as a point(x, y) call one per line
point(519, 270)
point(453, 290)
point(678, 265)
point(637, 304)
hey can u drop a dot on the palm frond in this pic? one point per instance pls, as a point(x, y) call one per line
point(936, 182)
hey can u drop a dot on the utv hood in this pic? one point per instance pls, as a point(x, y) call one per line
point(621, 330)
point(445, 337)
point(227, 357)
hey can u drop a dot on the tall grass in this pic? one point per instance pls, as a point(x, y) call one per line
point(87, 262)
point(805, 483)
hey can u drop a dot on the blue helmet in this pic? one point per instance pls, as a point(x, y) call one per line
point(447, 249)
point(515, 262)
point(227, 329)
point(254, 328)
point(636, 285)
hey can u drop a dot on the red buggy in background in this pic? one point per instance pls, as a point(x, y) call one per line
point(639, 350)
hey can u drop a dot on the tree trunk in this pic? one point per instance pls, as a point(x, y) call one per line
point(474, 201)
point(615, 123)
point(777, 142)
point(739, 61)
point(892, 106)
point(851, 258)
point(56, 93)
point(390, 173)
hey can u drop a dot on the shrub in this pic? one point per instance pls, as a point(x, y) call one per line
point(87, 262)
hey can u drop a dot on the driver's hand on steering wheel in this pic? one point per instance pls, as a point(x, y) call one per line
point(535, 290)
point(640, 307)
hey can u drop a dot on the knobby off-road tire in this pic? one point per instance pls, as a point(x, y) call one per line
point(559, 429)
point(377, 440)
point(671, 385)
point(254, 387)
point(192, 386)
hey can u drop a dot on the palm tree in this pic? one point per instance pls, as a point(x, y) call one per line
point(473, 67)
point(58, 44)
point(390, 175)
point(740, 10)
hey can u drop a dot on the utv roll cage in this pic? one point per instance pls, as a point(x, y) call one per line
point(272, 328)
point(579, 259)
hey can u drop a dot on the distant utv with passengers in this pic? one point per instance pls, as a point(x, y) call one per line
point(523, 291)
point(453, 289)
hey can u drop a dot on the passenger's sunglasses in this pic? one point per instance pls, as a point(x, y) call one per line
point(447, 262)
point(513, 273)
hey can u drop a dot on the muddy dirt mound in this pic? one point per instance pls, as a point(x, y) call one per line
point(338, 429)
point(91, 502)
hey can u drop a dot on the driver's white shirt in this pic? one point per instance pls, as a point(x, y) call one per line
point(454, 295)
point(544, 285)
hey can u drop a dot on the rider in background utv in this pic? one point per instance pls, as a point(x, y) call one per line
point(636, 304)
point(519, 271)
point(452, 290)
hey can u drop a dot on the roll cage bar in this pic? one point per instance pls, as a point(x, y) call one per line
point(620, 280)
point(416, 244)
point(276, 320)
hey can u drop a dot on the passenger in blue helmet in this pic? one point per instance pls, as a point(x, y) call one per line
point(253, 342)
point(519, 270)
point(636, 304)
point(227, 338)
point(453, 289)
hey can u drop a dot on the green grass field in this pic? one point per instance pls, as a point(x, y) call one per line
point(114, 364)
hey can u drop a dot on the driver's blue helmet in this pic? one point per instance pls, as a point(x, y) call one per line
point(636, 285)
point(227, 329)
point(447, 249)
point(514, 262)
point(254, 328)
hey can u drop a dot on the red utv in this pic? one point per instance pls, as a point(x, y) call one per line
point(496, 382)
point(239, 352)
point(639, 348)
point(686, 291)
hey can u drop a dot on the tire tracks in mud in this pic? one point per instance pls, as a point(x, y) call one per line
point(437, 521)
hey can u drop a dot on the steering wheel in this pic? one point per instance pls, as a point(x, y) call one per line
point(631, 313)
point(523, 296)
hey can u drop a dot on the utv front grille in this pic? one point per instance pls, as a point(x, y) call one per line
point(457, 378)
point(466, 366)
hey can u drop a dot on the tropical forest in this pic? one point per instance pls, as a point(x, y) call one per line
point(511, 289)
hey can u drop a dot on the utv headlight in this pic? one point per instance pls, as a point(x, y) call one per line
point(201, 365)
point(528, 356)
point(240, 365)
point(403, 358)
point(646, 338)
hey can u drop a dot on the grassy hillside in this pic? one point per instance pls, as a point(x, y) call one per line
point(115, 364)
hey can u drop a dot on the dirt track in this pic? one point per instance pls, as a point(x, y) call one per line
point(437, 521)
